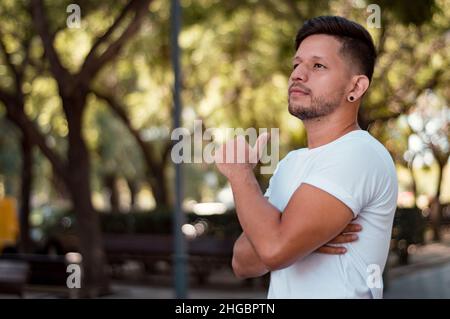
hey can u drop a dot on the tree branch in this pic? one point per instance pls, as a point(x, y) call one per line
point(15, 113)
point(167, 148)
point(40, 20)
point(6, 97)
point(383, 36)
point(94, 63)
point(26, 59)
point(100, 40)
point(396, 98)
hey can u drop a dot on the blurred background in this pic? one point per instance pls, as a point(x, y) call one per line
point(86, 107)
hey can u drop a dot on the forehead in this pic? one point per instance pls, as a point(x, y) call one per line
point(319, 46)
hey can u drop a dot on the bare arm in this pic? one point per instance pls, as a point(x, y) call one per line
point(306, 223)
point(246, 263)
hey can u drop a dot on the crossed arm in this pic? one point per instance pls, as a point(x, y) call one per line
point(247, 264)
point(272, 240)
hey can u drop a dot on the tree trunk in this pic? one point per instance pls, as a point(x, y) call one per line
point(94, 279)
point(27, 179)
point(436, 208)
point(59, 186)
point(111, 185)
point(413, 183)
point(436, 212)
point(133, 186)
point(159, 188)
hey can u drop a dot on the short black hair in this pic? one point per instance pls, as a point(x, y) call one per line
point(357, 43)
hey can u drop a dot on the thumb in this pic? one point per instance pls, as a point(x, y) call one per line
point(260, 145)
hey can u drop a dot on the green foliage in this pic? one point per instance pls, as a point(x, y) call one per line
point(235, 64)
point(406, 13)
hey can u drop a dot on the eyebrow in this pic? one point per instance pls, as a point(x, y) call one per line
point(314, 57)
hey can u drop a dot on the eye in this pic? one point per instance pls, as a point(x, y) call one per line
point(295, 65)
point(319, 66)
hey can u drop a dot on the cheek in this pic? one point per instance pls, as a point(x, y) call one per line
point(325, 83)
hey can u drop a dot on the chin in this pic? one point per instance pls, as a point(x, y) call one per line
point(295, 109)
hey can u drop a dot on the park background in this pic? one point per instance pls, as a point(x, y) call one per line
point(86, 113)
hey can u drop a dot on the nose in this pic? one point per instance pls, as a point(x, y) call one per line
point(299, 74)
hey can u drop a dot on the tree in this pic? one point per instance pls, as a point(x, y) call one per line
point(430, 122)
point(13, 100)
point(73, 88)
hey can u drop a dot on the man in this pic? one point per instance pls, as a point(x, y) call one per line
point(344, 174)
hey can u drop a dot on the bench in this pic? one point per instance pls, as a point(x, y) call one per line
point(41, 270)
point(205, 254)
point(13, 276)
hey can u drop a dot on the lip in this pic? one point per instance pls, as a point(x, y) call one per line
point(297, 91)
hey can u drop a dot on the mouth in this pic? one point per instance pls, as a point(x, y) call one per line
point(297, 92)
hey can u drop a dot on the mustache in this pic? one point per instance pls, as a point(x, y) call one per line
point(299, 86)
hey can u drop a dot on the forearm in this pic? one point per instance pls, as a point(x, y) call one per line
point(258, 218)
point(246, 262)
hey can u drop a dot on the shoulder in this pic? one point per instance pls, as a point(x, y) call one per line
point(360, 150)
point(357, 168)
point(357, 159)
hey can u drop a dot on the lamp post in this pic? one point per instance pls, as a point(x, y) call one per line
point(180, 255)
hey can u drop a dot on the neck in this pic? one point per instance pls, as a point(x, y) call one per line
point(323, 130)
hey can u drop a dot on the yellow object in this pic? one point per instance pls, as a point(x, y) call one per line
point(9, 225)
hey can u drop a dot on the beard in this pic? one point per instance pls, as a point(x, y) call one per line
point(320, 106)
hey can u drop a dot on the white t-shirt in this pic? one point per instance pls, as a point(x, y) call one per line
point(359, 171)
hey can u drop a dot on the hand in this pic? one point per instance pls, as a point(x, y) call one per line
point(345, 237)
point(236, 157)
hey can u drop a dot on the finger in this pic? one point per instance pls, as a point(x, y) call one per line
point(260, 145)
point(240, 149)
point(345, 238)
point(331, 250)
point(352, 228)
point(232, 150)
point(219, 154)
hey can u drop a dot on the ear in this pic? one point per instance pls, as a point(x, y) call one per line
point(360, 84)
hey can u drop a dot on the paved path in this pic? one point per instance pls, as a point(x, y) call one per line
point(428, 276)
point(433, 282)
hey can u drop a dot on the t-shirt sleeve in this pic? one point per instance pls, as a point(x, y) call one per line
point(333, 187)
point(268, 191)
point(352, 176)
